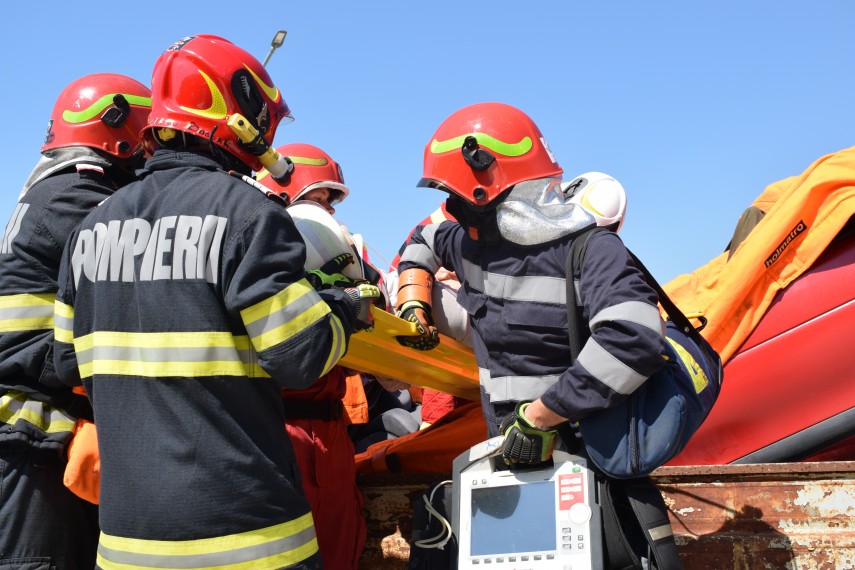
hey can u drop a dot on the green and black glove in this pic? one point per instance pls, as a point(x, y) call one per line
point(330, 273)
point(419, 313)
point(524, 442)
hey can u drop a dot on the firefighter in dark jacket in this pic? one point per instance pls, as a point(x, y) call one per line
point(183, 308)
point(515, 224)
point(91, 148)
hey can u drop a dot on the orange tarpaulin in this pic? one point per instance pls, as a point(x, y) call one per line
point(803, 214)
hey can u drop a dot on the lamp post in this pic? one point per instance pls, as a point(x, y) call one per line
point(277, 42)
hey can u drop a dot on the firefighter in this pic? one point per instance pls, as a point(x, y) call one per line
point(91, 148)
point(509, 246)
point(315, 416)
point(183, 309)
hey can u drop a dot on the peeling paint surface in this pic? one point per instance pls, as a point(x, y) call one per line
point(798, 516)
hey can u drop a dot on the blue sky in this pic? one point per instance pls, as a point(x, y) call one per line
point(694, 106)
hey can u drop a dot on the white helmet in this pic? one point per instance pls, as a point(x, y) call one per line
point(325, 238)
point(599, 194)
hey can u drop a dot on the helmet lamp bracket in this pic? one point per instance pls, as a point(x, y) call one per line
point(117, 115)
point(477, 158)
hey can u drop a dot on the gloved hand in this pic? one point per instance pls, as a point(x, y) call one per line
point(362, 296)
point(524, 442)
point(419, 313)
point(329, 275)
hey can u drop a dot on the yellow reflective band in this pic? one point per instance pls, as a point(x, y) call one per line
point(270, 90)
point(156, 355)
point(699, 379)
point(15, 407)
point(291, 311)
point(309, 161)
point(339, 344)
point(102, 103)
point(63, 317)
point(585, 201)
point(218, 108)
point(26, 312)
point(272, 547)
point(485, 140)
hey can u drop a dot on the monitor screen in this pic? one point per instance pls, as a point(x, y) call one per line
point(514, 518)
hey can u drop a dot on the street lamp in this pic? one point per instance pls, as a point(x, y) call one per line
point(277, 42)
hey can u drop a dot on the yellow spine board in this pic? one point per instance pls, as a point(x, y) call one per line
point(450, 367)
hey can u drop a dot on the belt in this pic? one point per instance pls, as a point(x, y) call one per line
point(326, 410)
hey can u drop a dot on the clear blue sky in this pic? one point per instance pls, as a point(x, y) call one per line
point(694, 106)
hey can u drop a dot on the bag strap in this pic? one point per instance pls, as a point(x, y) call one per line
point(642, 495)
point(675, 315)
point(575, 259)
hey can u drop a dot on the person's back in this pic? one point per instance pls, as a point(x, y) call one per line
point(183, 309)
point(90, 150)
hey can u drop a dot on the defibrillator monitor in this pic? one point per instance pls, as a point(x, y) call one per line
point(545, 517)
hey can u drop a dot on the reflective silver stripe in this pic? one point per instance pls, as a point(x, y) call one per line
point(636, 312)
point(516, 288)
point(15, 407)
point(661, 532)
point(34, 312)
point(606, 368)
point(283, 316)
point(165, 354)
point(515, 388)
point(429, 235)
point(219, 559)
point(422, 255)
point(64, 323)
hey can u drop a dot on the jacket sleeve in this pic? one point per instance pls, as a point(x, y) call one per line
point(627, 333)
point(64, 359)
point(297, 337)
point(429, 247)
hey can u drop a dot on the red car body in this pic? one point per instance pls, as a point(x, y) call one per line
point(788, 393)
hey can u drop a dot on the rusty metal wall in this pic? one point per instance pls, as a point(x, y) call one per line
point(794, 516)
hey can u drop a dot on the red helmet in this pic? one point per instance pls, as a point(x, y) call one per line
point(313, 168)
point(103, 111)
point(482, 150)
point(199, 81)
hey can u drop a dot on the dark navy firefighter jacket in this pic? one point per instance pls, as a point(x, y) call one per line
point(516, 299)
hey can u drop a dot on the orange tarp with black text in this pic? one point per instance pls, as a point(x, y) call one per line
point(803, 214)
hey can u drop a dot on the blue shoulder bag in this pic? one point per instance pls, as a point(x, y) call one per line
point(654, 423)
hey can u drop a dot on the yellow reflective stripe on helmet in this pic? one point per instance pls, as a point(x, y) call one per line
point(272, 547)
point(15, 407)
point(269, 90)
point(153, 355)
point(485, 140)
point(285, 314)
point(310, 161)
point(699, 379)
point(63, 322)
point(102, 103)
point(339, 344)
point(218, 107)
point(26, 312)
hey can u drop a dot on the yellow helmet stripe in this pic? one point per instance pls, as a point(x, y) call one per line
point(270, 90)
point(218, 108)
point(485, 140)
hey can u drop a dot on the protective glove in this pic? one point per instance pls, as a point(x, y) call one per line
point(524, 442)
point(419, 313)
point(362, 296)
point(330, 273)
